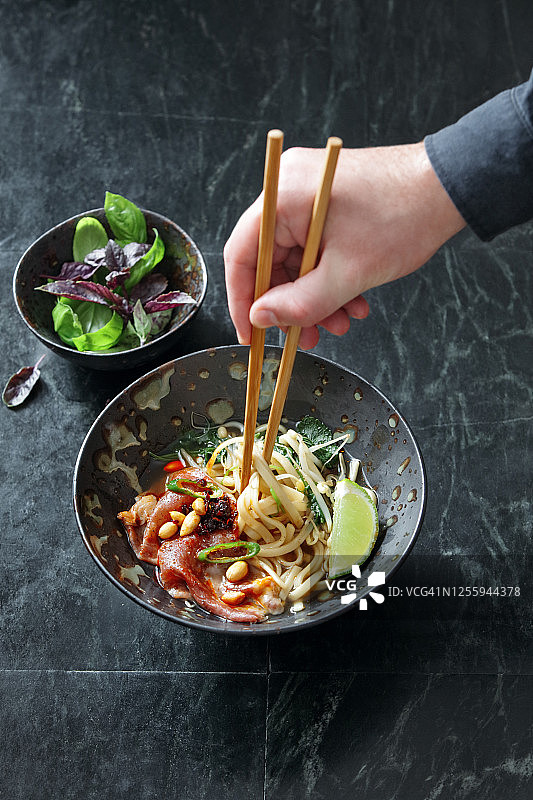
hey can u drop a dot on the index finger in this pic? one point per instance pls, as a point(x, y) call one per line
point(240, 262)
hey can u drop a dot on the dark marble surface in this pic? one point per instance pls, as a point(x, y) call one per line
point(422, 697)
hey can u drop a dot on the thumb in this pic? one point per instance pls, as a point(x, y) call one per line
point(304, 302)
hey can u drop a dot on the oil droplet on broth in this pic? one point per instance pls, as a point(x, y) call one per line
point(396, 492)
point(411, 497)
point(393, 420)
point(203, 373)
point(391, 521)
point(318, 391)
point(344, 418)
point(358, 395)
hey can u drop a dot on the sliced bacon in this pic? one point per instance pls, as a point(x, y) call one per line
point(177, 560)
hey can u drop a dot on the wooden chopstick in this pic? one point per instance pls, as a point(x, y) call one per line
point(314, 236)
point(262, 283)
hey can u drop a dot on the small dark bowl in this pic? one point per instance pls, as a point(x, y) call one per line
point(114, 465)
point(183, 265)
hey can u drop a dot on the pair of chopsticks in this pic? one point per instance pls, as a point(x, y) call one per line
point(262, 283)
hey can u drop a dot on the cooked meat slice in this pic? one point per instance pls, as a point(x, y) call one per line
point(135, 519)
point(177, 560)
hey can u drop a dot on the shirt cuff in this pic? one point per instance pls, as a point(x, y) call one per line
point(485, 162)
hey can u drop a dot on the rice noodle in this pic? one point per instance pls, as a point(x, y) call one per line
point(273, 510)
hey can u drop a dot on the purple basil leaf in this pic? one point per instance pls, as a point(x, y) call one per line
point(20, 385)
point(117, 278)
point(73, 271)
point(89, 291)
point(96, 258)
point(141, 322)
point(134, 251)
point(169, 300)
point(150, 287)
point(115, 301)
point(159, 320)
point(114, 256)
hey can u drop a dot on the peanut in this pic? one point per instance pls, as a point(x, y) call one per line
point(237, 571)
point(167, 530)
point(199, 506)
point(233, 598)
point(177, 516)
point(190, 523)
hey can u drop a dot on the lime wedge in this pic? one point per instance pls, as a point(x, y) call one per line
point(89, 235)
point(355, 528)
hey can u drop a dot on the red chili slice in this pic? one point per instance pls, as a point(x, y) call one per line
point(172, 466)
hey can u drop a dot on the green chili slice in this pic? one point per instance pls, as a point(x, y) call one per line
point(175, 486)
point(205, 555)
point(276, 498)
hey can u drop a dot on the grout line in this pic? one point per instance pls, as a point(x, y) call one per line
point(129, 672)
point(402, 672)
point(266, 675)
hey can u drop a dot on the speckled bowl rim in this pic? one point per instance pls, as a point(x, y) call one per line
point(59, 346)
point(256, 630)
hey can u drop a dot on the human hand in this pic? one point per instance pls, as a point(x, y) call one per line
point(388, 214)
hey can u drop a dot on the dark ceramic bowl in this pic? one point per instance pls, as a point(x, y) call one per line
point(182, 264)
point(114, 465)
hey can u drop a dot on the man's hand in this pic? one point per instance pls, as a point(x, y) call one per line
point(388, 215)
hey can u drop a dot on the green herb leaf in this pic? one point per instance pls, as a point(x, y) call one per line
point(66, 322)
point(141, 322)
point(314, 432)
point(313, 505)
point(197, 442)
point(147, 263)
point(103, 338)
point(89, 235)
point(126, 220)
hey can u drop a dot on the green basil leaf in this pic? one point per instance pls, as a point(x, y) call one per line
point(126, 220)
point(66, 322)
point(141, 322)
point(103, 338)
point(146, 264)
point(129, 337)
point(92, 316)
point(316, 432)
point(89, 235)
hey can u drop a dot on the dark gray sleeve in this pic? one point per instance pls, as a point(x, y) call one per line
point(485, 162)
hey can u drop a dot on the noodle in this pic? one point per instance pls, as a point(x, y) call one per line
point(274, 509)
